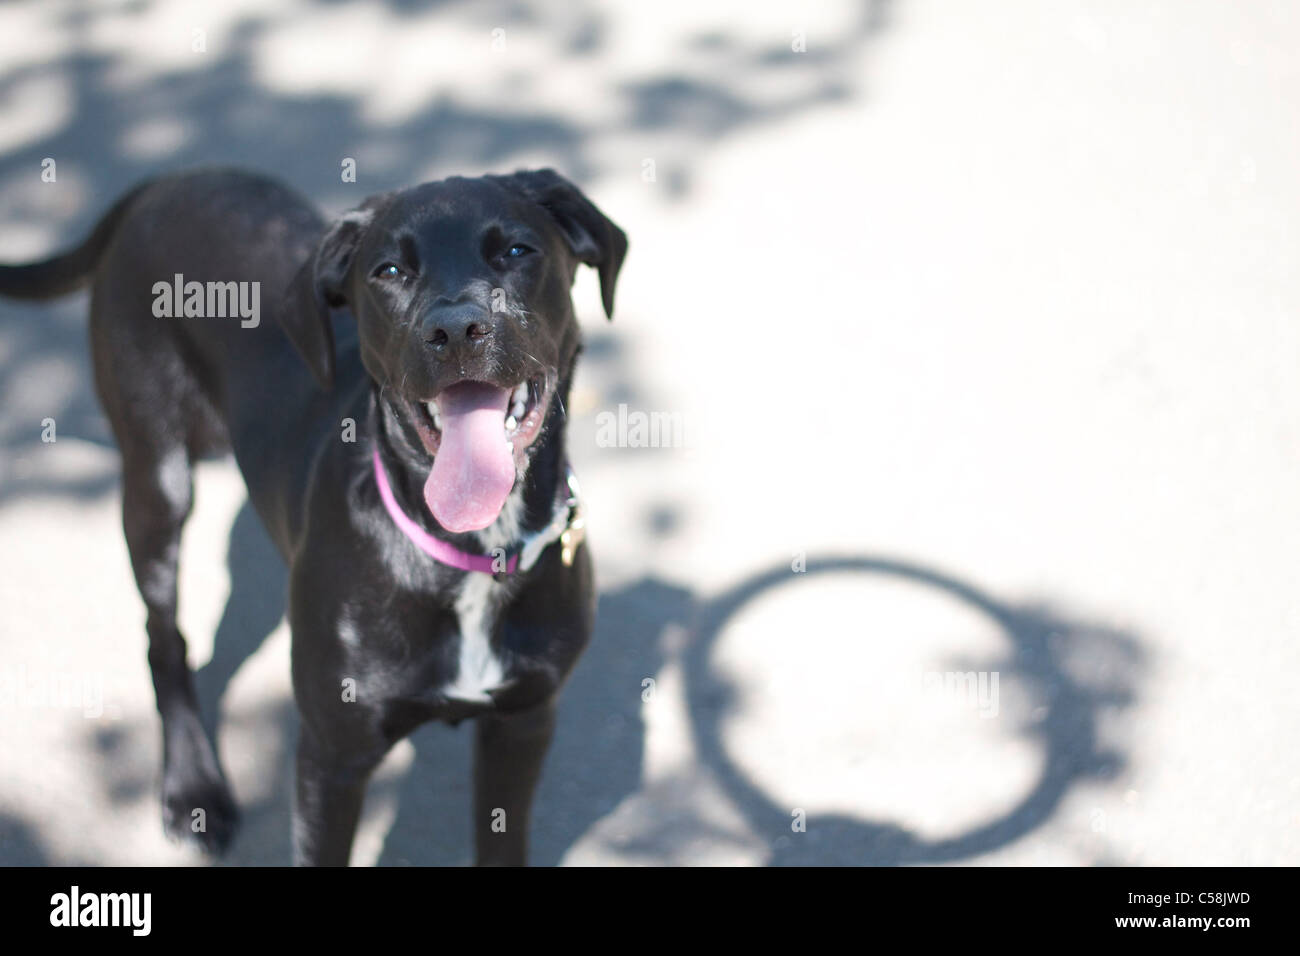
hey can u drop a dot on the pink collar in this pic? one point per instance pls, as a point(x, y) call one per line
point(440, 551)
point(566, 526)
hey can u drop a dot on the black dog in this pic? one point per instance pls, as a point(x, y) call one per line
point(435, 390)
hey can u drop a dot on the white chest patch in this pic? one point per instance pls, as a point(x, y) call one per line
point(480, 670)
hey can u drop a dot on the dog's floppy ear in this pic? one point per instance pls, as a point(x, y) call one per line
point(318, 287)
point(591, 235)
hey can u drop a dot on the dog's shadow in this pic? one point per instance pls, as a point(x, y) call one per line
point(597, 759)
point(258, 587)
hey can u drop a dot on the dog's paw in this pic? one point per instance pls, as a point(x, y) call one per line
point(200, 812)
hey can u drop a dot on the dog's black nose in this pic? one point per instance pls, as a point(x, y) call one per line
point(461, 325)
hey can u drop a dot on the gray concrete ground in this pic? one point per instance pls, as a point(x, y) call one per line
point(980, 543)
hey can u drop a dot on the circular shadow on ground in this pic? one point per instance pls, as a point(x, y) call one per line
point(1045, 650)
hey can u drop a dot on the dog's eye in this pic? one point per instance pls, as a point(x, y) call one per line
point(388, 271)
point(504, 255)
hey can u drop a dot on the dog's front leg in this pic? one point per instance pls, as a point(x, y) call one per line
point(330, 789)
point(508, 753)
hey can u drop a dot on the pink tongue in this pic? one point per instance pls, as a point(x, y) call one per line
point(474, 469)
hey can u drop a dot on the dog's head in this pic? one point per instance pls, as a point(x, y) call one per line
point(460, 290)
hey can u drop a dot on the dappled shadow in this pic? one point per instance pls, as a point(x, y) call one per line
point(124, 124)
point(19, 845)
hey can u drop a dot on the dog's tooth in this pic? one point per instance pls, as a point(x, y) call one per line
point(518, 410)
point(521, 393)
point(511, 423)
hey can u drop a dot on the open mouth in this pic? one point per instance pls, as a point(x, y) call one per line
point(478, 434)
point(520, 423)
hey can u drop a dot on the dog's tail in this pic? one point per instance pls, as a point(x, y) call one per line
point(70, 270)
